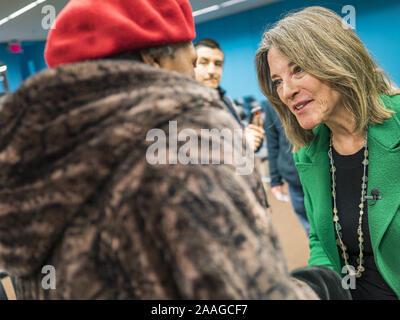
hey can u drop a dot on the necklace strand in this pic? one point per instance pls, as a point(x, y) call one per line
point(339, 240)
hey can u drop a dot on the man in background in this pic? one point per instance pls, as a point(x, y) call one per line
point(281, 165)
point(209, 67)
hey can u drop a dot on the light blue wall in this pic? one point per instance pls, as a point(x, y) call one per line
point(377, 24)
point(22, 65)
point(32, 60)
point(14, 75)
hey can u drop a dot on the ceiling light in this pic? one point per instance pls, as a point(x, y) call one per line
point(21, 11)
point(205, 10)
point(231, 2)
point(216, 7)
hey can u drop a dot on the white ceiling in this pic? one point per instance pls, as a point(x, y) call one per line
point(28, 26)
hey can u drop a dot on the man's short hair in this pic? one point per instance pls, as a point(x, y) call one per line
point(207, 42)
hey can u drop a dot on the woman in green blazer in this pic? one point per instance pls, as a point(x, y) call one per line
point(343, 117)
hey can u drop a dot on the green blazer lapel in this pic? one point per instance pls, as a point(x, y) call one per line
point(383, 174)
point(316, 175)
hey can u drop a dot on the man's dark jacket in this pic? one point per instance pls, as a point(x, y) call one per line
point(229, 104)
point(280, 156)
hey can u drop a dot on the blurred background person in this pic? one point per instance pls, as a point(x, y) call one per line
point(282, 167)
point(3, 98)
point(3, 78)
point(209, 67)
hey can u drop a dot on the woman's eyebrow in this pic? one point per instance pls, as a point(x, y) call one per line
point(289, 65)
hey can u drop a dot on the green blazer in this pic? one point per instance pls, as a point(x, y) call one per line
point(312, 163)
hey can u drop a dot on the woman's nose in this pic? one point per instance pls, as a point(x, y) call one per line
point(289, 90)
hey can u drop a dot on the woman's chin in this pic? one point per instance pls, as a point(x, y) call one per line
point(308, 125)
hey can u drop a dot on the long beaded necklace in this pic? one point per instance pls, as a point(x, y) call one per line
point(339, 240)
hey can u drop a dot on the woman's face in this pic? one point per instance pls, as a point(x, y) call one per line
point(312, 101)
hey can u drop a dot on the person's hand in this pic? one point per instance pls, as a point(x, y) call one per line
point(254, 135)
point(278, 193)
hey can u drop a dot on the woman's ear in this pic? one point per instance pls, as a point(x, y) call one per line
point(151, 60)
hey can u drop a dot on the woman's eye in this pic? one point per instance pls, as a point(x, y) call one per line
point(297, 69)
point(276, 83)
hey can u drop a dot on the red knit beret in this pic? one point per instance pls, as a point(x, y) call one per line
point(89, 29)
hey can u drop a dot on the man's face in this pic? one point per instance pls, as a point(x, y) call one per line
point(184, 60)
point(209, 66)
